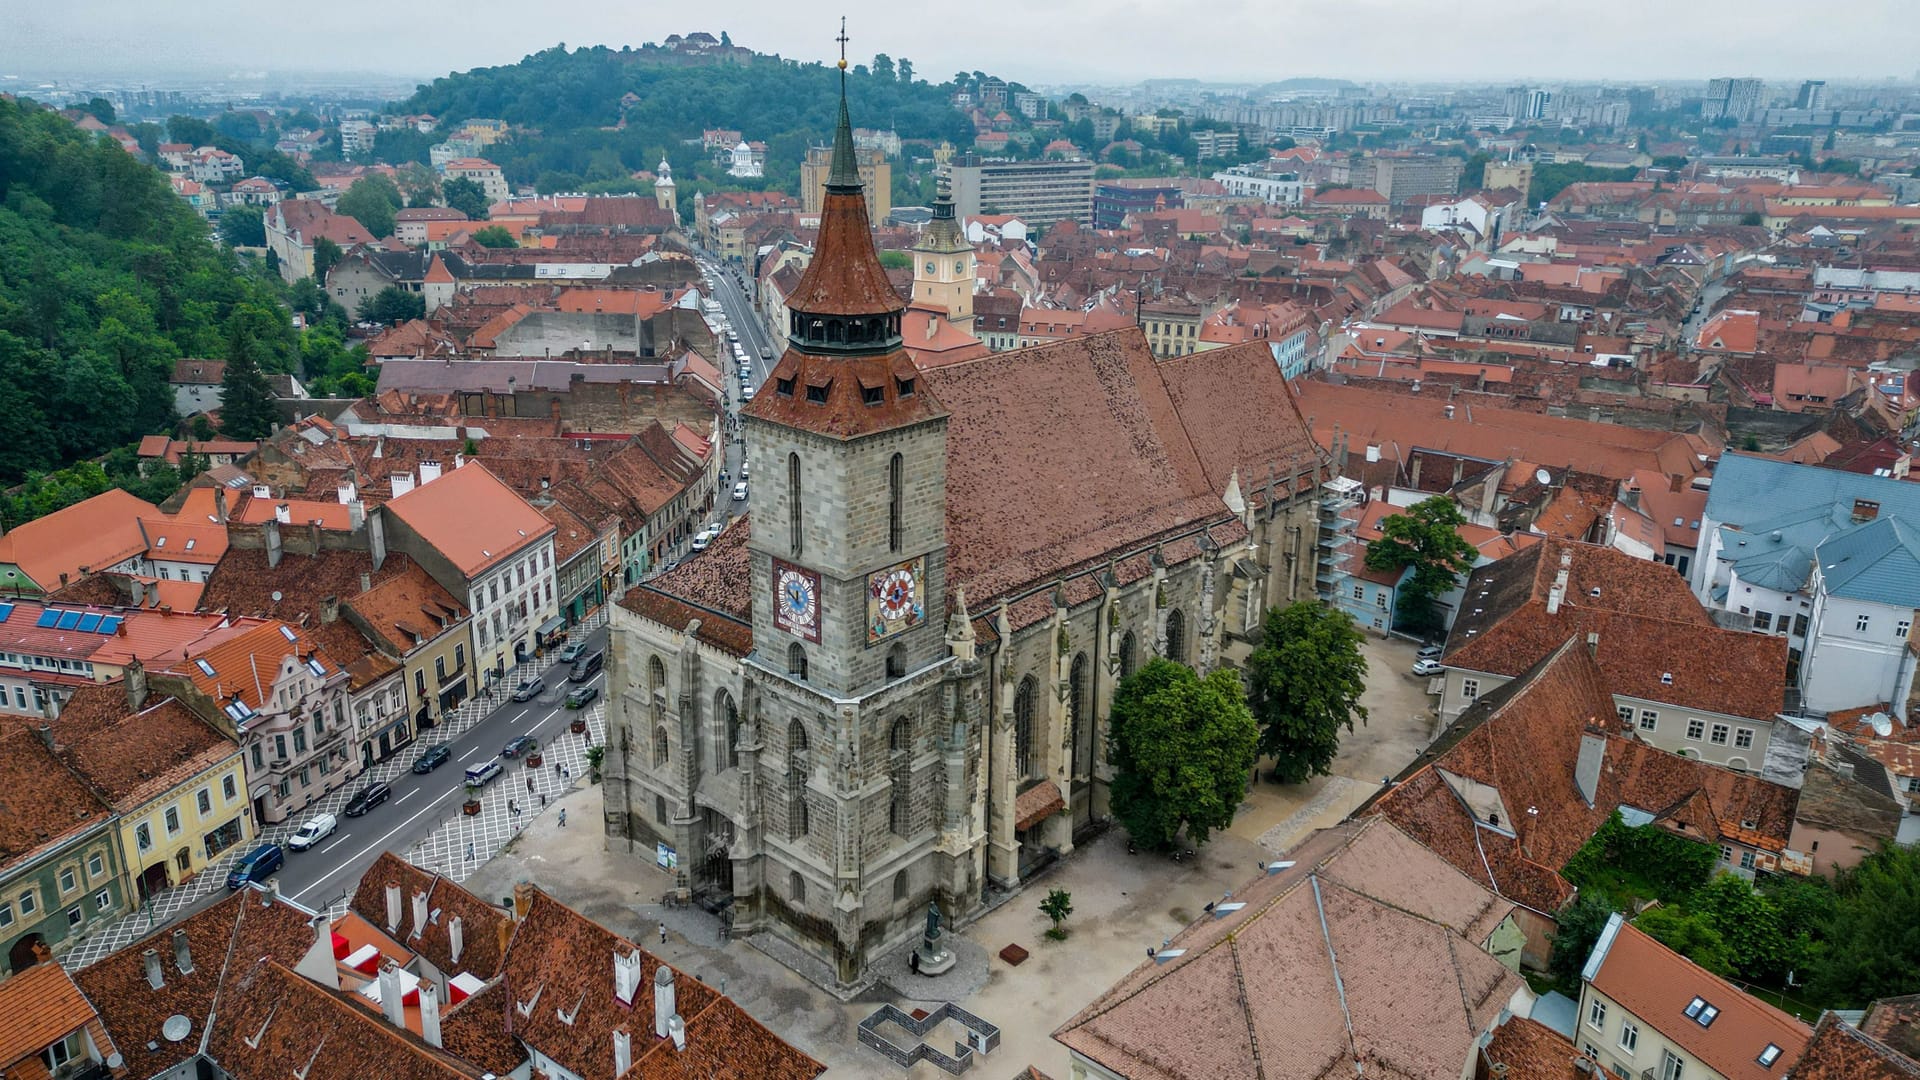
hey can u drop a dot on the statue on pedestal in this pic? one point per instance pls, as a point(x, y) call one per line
point(931, 958)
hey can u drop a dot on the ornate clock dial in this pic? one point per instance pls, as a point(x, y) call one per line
point(796, 601)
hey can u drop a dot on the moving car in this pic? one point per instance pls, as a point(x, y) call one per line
point(317, 828)
point(482, 774)
point(1428, 667)
point(432, 758)
point(256, 866)
point(573, 651)
point(701, 539)
point(529, 690)
point(367, 798)
point(582, 696)
point(587, 667)
point(746, 393)
point(766, 352)
point(740, 491)
point(518, 745)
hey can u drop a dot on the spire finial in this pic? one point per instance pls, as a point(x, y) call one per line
point(844, 172)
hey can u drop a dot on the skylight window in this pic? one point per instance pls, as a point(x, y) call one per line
point(1770, 1055)
point(1694, 1007)
point(205, 668)
point(286, 631)
point(160, 543)
point(190, 542)
point(1706, 1016)
point(314, 666)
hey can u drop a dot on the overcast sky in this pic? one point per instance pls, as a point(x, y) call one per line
point(1033, 41)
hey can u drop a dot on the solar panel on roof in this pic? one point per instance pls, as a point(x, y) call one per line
point(48, 618)
point(90, 622)
point(111, 624)
point(69, 620)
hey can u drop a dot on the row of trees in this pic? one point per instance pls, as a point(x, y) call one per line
point(1183, 746)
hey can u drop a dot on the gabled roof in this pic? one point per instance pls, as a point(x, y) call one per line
point(1658, 986)
point(95, 533)
point(469, 516)
point(1839, 1051)
point(132, 756)
point(1878, 562)
point(1369, 949)
point(481, 923)
point(41, 801)
point(39, 1007)
point(244, 660)
point(272, 1022)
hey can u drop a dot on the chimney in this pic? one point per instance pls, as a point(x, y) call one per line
point(138, 591)
point(272, 893)
point(1586, 768)
point(274, 550)
point(459, 460)
point(283, 513)
point(356, 515)
point(182, 954)
point(677, 1028)
point(1593, 643)
point(419, 913)
point(390, 993)
point(136, 685)
point(402, 483)
point(393, 908)
point(430, 1013)
point(622, 1051)
point(377, 540)
point(346, 493)
point(1448, 410)
point(456, 938)
point(220, 504)
point(155, 977)
point(626, 975)
point(429, 471)
point(523, 894)
point(45, 731)
point(329, 609)
point(662, 1000)
point(366, 581)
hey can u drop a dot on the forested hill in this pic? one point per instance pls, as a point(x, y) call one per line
point(575, 101)
point(106, 277)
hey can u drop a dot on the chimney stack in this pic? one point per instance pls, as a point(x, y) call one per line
point(419, 912)
point(429, 471)
point(622, 1051)
point(430, 1013)
point(274, 549)
point(136, 685)
point(677, 1029)
point(283, 513)
point(390, 994)
point(356, 515)
point(329, 609)
point(220, 504)
point(182, 953)
point(662, 1000)
point(45, 731)
point(366, 581)
point(626, 975)
point(522, 900)
point(456, 938)
point(156, 978)
point(393, 908)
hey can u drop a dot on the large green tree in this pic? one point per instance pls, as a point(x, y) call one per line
point(1182, 748)
point(494, 236)
point(246, 397)
point(467, 196)
point(1690, 934)
point(325, 254)
point(1304, 681)
point(1427, 538)
point(372, 201)
point(1873, 938)
point(392, 305)
point(243, 226)
point(1576, 928)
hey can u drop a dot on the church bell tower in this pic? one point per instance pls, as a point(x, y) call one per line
point(943, 265)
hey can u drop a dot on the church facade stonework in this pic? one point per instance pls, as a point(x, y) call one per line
point(889, 686)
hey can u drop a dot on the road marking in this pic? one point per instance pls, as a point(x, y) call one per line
point(355, 857)
point(407, 796)
point(469, 752)
point(343, 839)
point(548, 717)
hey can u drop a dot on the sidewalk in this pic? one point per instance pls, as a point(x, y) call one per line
point(175, 902)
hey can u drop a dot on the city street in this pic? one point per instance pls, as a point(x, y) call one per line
point(744, 321)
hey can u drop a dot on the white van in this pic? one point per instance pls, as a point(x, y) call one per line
point(483, 774)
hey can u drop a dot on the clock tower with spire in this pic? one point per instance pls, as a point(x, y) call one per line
point(943, 270)
point(866, 732)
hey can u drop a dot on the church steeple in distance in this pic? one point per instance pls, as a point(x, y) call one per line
point(844, 372)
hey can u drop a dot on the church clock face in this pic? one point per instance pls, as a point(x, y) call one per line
point(896, 599)
point(796, 601)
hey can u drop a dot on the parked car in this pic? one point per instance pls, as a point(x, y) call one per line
point(701, 539)
point(582, 696)
point(587, 667)
point(317, 828)
point(740, 491)
point(256, 866)
point(746, 393)
point(743, 470)
point(482, 774)
point(432, 758)
point(529, 690)
point(573, 651)
point(518, 745)
point(1431, 652)
point(1428, 667)
point(367, 798)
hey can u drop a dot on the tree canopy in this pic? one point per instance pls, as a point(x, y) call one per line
point(1427, 538)
point(1304, 681)
point(1872, 946)
point(494, 236)
point(1182, 748)
point(467, 196)
point(392, 305)
point(372, 201)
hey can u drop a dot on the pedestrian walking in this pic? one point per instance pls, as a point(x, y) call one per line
point(663, 933)
point(563, 817)
point(469, 851)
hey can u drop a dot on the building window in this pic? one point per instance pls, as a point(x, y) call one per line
point(794, 523)
point(6, 914)
point(102, 901)
point(1023, 727)
point(228, 788)
point(1746, 860)
point(1695, 729)
point(29, 902)
point(69, 881)
point(896, 500)
point(1670, 1067)
point(143, 836)
point(1176, 636)
point(797, 887)
point(1743, 738)
point(1900, 628)
point(1469, 689)
point(59, 1054)
point(75, 916)
point(1359, 592)
point(173, 820)
point(1860, 623)
point(1800, 626)
point(1649, 719)
point(204, 800)
point(659, 747)
point(1629, 1036)
point(299, 740)
point(1597, 1015)
point(797, 661)
point(1726, 853)
point(1626, 714)
point(1719, 737)
point(1763, 620)
point(96, 867)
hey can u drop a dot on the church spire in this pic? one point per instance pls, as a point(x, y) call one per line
point(844, 172)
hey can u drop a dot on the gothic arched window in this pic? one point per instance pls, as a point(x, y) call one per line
point(1023, 727)
point(1077, 701)
point(1126, 654)
point(656, 674)
point(659, 747)
point(729, 714)
point(1176, 636)
point(896, 500)
point(797, 661)
point(794, 521)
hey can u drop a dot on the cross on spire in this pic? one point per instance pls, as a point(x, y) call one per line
point(842, 39)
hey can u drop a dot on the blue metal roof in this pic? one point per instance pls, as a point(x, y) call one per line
point(1878, 562)
point(1746, 489)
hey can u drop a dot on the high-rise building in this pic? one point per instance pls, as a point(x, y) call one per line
point(876, 178)
point(1813, 95)
point(1741, 99)
point(1037, 192)
point(1403, 178)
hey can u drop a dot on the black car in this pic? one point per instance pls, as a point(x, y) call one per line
point(518, 745)
point(432, 758)
point(367, 798)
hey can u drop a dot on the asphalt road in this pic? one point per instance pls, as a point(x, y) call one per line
point(743, 320)
point(421, 802)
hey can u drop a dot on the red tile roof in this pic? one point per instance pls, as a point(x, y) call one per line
point(39, 1007)
point(95, 534)
point(1839, 1051)
point(1657, 985)
point(246, 658)
point(471, 518)
point(132, 756)
point(41, 801)
point(1531, 1050)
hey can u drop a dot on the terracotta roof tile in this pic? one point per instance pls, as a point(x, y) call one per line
point(133, 756)
point(470, 517)
point(39, 1007)
point(480, 922)
point(95, 533)
point(41, 802)
point(1530, 1050)
point(1839, 1051)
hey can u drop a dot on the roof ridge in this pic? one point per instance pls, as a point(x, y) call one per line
point(1246, 1006)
